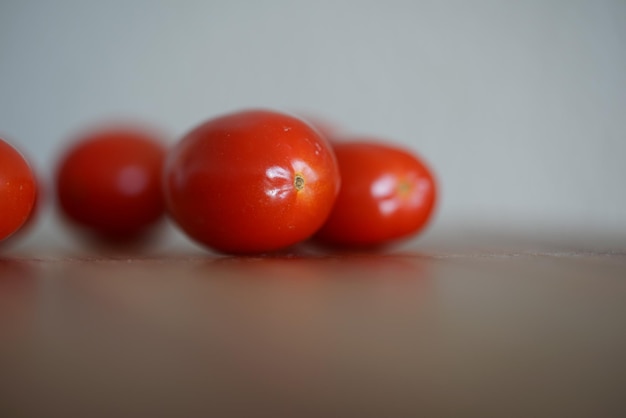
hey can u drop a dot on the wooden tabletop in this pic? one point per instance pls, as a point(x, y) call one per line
point(510, 328)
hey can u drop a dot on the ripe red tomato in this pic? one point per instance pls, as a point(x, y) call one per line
point(251, 182)
point(387, 193)
point(32, 216)
point(109, 182)
point(17, 190)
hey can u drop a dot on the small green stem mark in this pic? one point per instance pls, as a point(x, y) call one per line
point(298, 182)
point(404, 188)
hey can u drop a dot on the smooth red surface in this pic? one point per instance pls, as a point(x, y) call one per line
point(230, 183)
point(387, 193)
point(18, 190)
point(110, 182)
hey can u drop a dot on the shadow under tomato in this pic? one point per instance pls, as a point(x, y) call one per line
point(115, 244)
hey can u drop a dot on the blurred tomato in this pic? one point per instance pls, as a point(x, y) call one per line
point(387, 193)
point(18, 190)
point(109, 182)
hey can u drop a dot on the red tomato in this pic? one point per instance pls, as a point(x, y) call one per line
point(109, 182)
point(17, 190)
point(32, 216)
point(386, 193)
point(251, 182)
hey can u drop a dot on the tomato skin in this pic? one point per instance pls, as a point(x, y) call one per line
point(109, 182)
point(232, 183)
point(18, 190)
point(387, 194)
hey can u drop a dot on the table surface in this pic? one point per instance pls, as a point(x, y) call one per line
point(499, 327)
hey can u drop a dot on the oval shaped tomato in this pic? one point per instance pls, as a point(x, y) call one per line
point(251, 182)
point(109, 182)
point(387, 193)
point(18, 190)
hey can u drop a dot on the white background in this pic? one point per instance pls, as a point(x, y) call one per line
point(519, 106)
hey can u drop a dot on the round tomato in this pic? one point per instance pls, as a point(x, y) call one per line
point(17, 190)
point(109, 182)
point(387, 193)
point(251, 182)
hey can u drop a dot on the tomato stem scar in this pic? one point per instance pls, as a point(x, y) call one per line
point(404, 188)
point(298, 182)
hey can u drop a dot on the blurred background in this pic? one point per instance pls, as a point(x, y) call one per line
point(520, 107)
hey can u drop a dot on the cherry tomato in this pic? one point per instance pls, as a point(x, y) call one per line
point(32, 216)
point(17, 190)
point(387, 193)
point(109, 182)
point(251, 182)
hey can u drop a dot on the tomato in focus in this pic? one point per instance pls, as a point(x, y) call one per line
point(109, 182)
point(387, 193)
point(251, 182)
point(18, 190)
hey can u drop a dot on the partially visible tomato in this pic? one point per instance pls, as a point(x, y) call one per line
point(33, 216)
point(18, 190)
point(109, 182)
point(387, 193)
point(251, 182)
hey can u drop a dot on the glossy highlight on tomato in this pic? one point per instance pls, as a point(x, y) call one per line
point(249, 182)
point(18, 190)
point(109, 182)
point(387, 193)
